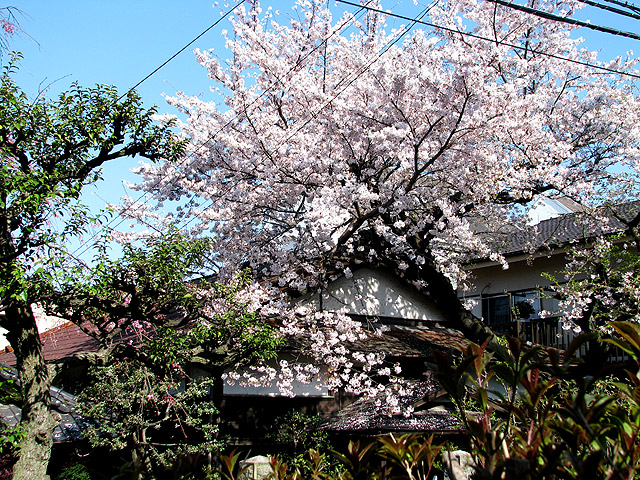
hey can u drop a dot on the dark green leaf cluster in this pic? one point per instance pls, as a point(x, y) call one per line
point(531, 414)
point(158, 417)
point(296, 433)
point(409, 457)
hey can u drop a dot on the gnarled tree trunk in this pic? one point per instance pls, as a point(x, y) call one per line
point(35, 381)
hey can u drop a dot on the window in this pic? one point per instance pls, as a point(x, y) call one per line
point(523, 305)
point(497, 309)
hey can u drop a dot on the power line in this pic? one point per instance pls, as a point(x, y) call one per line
point(211, 137)
point(323, 43)
point(611, 9)
point(499, 42)
point(570, 21)
point(628, 5)
point(80, 250)
point(417, 20)
point(213, 25)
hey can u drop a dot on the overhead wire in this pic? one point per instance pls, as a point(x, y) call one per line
point(622, 3)
point(204, 32)
point(324, 42)
point(618, 11)
point(499, 42)
point(82, 249)
point(87, 246)
point(570, 21)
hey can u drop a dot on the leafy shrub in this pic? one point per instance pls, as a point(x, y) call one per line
point(75, 472)
point(548, 420)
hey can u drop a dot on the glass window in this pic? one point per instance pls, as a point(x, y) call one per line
point(496, 309)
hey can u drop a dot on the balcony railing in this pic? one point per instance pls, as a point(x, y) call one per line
point(542, 331)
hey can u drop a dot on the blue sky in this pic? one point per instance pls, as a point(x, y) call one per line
point(119, 42)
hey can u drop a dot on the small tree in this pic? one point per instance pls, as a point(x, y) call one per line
point(156, 414)
point(49, 151)
point(156, 322)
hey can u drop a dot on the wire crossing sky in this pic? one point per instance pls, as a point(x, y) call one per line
point(122, 42)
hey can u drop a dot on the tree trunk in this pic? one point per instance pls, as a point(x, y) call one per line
point(442, 293)
point(35, 382)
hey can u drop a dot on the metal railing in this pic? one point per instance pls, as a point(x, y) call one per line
point(542, 331)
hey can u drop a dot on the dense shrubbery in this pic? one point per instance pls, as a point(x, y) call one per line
point(530, 413)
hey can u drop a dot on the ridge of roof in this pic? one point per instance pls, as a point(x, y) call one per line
point(569, 228)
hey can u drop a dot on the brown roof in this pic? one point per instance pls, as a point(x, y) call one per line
point(399, 340)
point(60, 342)
point(368, 414)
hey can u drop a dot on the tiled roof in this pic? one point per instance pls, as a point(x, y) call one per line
point(367, 415)
point(60, 342)
point(63, 404)
point(569, 228)
point(399, 340)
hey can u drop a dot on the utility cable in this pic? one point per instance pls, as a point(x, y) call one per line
point(80, 250)
point(422, 22)
point(213, 25)
point(630, 6)
point(635, 16)
point(89, 245)
point(570, 21)
point(506, 44)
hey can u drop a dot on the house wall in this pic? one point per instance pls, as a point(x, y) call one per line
point(545, 208)
point(315, 388)
point(524, 273)
point(375, 293)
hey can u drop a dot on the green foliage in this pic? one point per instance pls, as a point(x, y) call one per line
point(75, 472)
point(541, 417)
point(406, 456)
point(298, 435)
point(359, 461)
point(159, 413)
point(151, 292)
point(600, 284)
point(299, 432)
point(229, 466)
point(522, 309)
point(10, 438)
point(412, 456)
point(530, 413)
point(50, 150)
point(141, 392)
point(229, 338)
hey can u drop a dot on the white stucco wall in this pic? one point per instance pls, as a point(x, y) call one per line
point(43, 321)
point(545, 208)
point(375, 293)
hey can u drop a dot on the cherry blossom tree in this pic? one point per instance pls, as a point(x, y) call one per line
point(342, 142)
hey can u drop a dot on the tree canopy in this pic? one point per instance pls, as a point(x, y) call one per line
point(342, 142)
point(50, 150)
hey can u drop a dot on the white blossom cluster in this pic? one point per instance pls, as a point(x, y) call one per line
point(322, 141)
point(601, 284)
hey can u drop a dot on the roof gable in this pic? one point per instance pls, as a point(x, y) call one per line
point(375, 292)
